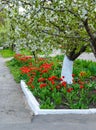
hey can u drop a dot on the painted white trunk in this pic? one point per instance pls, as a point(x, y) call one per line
point(67, 70)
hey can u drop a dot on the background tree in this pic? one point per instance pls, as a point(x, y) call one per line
point(3, 30)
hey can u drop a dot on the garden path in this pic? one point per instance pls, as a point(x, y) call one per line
point(13, 106)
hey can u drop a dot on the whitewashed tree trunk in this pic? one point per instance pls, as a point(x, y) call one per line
point(67, 70)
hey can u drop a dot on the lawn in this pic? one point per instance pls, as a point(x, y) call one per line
point(7, 53)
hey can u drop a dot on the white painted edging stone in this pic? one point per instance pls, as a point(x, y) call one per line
point(33, 103)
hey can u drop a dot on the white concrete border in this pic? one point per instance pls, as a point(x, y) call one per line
point(33, 103)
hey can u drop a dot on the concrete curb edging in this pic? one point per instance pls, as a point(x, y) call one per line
point(34, 105)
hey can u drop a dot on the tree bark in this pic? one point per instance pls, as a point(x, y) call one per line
point(93, 46)
point(92, 37)
point(72, 56)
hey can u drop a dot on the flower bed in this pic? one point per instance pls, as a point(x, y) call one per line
point(35, 106)
point(43, 80)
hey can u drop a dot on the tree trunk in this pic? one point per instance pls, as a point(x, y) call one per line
point(67, 67)
point(12, 47)
point(93, 46)
point(67, 70)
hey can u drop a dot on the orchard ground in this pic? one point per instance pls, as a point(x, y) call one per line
point(15, 114)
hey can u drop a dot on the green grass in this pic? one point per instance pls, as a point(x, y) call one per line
point(14, 69)
point(7, 53)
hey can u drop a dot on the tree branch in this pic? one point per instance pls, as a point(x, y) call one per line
point(92, 37)
point(88, 30)
point(65, 36)
point(46, 31)
point(72, 56)
point(61, 30)
point(63, 10)
point(53, 34)
point(48, 8)
point(26, 3)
